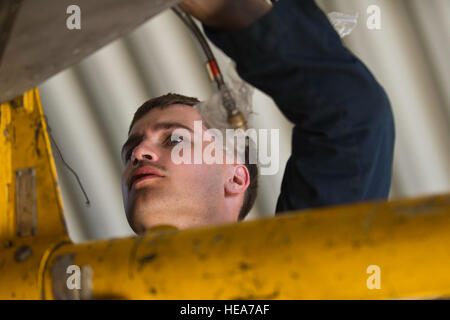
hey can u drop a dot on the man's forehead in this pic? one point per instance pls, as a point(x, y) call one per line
point(176, 113)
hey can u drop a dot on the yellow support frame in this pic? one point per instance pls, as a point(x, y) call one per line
point(31, 213)
point(315, 254)
point(25, 144)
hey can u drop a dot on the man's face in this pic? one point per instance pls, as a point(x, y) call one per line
point(157, 191)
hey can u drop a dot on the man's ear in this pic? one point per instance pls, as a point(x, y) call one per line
point(238, 180)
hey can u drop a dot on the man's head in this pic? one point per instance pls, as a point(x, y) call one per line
point(158, 191)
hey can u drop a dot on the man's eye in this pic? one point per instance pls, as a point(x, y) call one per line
point(173, 139)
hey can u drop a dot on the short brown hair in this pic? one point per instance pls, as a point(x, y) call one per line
point(173, 98)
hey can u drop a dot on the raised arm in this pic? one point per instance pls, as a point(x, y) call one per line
point(343, 139)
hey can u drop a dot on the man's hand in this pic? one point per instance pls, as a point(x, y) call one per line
point(226, 14)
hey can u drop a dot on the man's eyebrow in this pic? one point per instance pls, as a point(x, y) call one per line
point(157, 127)
point(170, 125)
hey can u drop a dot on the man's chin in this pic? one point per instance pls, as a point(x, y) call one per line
point(148, 216)
point(154, 209)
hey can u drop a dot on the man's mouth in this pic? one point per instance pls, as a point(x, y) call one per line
point(143, 177)
point(142, 174)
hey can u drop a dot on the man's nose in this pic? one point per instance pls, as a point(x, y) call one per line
point(143, 153)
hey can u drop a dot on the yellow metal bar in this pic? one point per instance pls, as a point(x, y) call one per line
point(318, 254)
point(30, 202)
point(31, 214)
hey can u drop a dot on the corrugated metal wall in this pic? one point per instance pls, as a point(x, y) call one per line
point(89, 106)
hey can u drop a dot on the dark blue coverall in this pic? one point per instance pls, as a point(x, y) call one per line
point(343, 139)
